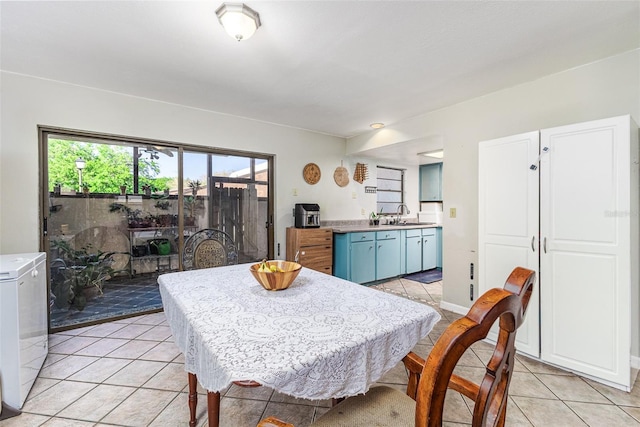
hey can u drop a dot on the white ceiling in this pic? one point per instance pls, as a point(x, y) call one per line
point(327, 66)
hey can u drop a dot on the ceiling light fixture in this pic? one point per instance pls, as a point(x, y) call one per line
point(377, 125)
point(439, 154)
point(238, 20)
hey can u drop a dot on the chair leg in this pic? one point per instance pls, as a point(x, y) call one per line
point(193, 399)
point(213, 408)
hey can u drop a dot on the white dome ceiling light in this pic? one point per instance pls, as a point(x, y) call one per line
point(238, 20)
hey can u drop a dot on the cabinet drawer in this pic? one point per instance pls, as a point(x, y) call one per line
point(321, 268)
point(390, 234)
point(364, 236)
point(429, 232)
point(414, 232)
point(318, 236)
point(316, 255)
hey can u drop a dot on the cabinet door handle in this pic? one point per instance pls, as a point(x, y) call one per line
point(533, 239)
point(418, 242)
point(544, 245)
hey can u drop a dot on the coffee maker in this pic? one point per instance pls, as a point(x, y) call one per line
point(307, 215)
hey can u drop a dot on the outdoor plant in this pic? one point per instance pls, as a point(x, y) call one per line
point(195, 186)
point(163, 205)
point(76, 271)
point(147, 188)
point(57, 187)
point(134, 216)
point(190, 203)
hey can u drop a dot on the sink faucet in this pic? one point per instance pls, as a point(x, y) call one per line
point(399, 212)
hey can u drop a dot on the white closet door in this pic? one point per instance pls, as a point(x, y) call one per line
point(585, 265)
point(508, 228)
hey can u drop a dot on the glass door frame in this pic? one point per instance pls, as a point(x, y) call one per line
point(43, 161)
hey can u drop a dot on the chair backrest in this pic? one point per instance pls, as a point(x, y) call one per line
point(209, 248)
point(509, 306)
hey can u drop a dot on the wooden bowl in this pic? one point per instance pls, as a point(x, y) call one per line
point(276, 281)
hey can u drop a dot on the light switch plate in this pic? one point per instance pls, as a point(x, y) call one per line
point(452, 212)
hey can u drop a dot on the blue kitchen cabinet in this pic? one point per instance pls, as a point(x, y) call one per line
point(429, 249)
point(387, 254)
point(439, 247)
point(354, 256)
point(431, 182)
point(363, 262)
point(413, 251)
point(341, 255)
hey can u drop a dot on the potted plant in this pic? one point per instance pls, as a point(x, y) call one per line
point(164, 219)
point(147, 189)
point(134, 216)
point(375, 219)
point(191, 204)
point(85, 189)
point(57, 188)
point(79, 274)
point(123, 190)
point(195, 187)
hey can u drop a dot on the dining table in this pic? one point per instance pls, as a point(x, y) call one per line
point(321, 338)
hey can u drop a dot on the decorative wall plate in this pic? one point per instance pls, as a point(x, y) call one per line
point(341, 176)
point(311, 173)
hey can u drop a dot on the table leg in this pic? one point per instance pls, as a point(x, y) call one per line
point(213, 408)
point(193, 399)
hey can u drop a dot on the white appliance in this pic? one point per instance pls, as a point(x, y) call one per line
point(23, 324)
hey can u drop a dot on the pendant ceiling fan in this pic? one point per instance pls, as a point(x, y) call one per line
point(153, 151)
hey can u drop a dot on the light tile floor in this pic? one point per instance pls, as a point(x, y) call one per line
point(129, 373)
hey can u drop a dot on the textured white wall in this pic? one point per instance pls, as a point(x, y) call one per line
point(607, 88)
point(28, 102)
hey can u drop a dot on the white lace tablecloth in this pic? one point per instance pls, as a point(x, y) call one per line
point(321, 338)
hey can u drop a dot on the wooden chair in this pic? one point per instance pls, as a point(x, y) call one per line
point(422, 406)
point(209, 248)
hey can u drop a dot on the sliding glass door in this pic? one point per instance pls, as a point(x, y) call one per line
point(118, 211)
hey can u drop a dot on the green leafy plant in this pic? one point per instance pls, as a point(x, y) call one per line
point(375, 218)
point(76, 271)
point(163, 205)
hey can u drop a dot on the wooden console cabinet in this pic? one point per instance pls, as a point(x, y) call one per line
point(315, 247)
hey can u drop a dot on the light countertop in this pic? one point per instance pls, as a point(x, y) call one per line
point(362, 228)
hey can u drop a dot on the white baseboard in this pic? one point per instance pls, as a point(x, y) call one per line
point(454, 307)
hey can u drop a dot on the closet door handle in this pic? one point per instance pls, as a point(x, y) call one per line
point(544, 245)
point(533, 240)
